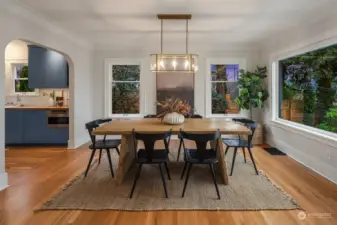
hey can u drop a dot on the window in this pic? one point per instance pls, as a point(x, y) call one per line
point(224, 89)
point(308, 89)
point(20, 79)
point(123, 95)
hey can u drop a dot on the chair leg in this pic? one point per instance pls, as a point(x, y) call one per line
point(90, 160)
point(167, 171)
point(136, 179)
point(117, 149)
point(110, 163)
point(244, 153)
point(233, 161)
point(179, 149)
point(251, 156)
point(214, 179)
point(163, 179)
point(186, 180)
point(100, 156)
point(182, 174)
point(226, 150)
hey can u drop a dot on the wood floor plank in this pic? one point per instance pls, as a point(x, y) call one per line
point(36, 174)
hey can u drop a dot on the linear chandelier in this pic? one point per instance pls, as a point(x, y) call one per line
point(183, 62)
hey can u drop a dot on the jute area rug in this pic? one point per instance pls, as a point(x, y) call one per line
point(98, 191)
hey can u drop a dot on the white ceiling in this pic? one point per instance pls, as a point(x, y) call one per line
point(216, 24)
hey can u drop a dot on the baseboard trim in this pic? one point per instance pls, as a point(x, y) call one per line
point(80, 141)
point(285, 148)
point(3, 181)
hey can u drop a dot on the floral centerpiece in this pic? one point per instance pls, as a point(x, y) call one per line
point(173, 111)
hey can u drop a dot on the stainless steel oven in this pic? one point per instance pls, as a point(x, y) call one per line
point(58, 118)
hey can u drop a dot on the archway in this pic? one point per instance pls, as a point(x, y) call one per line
point(22, 59)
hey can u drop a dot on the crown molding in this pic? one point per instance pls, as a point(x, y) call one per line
point(27, 13)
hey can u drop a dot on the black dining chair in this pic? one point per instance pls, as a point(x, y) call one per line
point(106, 144)
point(195, 116)
point(150, 116)
point(243, 144)
point(150, 155)
point(238, 120)
point(200, 155)
point(155, 116)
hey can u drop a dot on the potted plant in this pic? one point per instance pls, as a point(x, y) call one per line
point(173, 111)
point(252, 93)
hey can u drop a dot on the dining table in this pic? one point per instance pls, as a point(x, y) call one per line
point(124, 128)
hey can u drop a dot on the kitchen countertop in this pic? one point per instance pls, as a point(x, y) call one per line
point(16, 107)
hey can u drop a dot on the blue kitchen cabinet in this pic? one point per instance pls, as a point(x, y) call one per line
point(13, 127)
point(30, 127)
point(46, 68)
point(34, 126)
point(58, 135)
point(37, 131)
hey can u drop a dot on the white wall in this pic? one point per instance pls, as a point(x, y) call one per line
point(317, 152)
point(18, 23)
point(149, 85)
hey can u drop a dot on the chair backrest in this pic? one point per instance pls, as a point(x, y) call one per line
point(252, 126)
point(92, 125)
point(195, 116)
point(150, 116)
point(243, 120)
point(149, 140)
point(201, 141)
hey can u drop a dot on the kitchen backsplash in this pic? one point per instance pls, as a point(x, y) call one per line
point(39, 100)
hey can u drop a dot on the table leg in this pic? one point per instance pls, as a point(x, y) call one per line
point(222, 167)
point(126, 157)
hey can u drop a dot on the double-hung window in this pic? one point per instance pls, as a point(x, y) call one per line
point(123, 88)
point(222, 88)
point(19, 79)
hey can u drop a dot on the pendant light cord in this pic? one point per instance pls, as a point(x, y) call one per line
point(161, 37)
point(186, 36)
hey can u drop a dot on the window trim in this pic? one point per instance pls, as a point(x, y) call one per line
point(108, 87)
point(13, 65)
point(242, 65)
point(312, 133)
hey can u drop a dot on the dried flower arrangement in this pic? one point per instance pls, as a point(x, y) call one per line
point(171, 105)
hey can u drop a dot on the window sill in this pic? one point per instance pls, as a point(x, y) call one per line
point(224, 116)
point(23, 94)
point(315, 134)
point(127, 116)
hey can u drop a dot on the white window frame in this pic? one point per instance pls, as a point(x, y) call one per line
point(220, 61)
point(13, 66)
point(322, 136)
point(108, 85)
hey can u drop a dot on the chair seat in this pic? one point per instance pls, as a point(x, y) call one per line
point(191, 156)
point(158, 156)
point(106, 144)
point(237, 143)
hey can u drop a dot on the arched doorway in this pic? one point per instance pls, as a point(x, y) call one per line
point(16, 59)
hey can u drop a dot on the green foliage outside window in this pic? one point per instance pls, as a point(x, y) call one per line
point(314, 76)
point(22, 85)
point(125, 89)
point(330, 121)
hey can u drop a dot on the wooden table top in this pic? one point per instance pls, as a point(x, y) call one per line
point(148, 125)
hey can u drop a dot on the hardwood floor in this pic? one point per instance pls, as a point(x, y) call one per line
point(36, 174)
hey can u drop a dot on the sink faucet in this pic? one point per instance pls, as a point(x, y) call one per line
point(18, 99)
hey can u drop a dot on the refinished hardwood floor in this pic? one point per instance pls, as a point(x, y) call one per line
point(36, 174)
